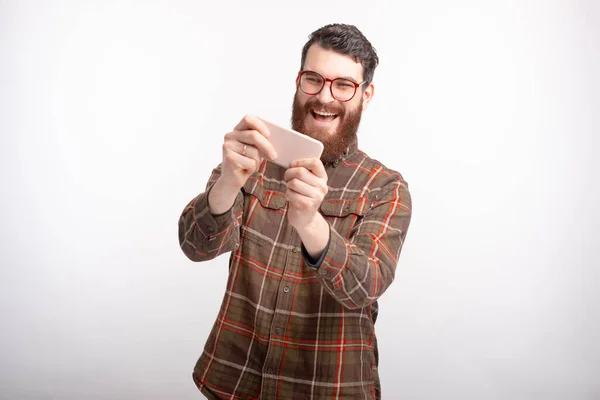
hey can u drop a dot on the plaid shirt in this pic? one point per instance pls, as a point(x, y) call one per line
point(287, 330)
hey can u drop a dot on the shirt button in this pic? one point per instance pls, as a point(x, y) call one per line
point(295, 250)
point(210, 229)
point(322, 272)
point(278, 331)
point(286, 289)
point(270, 371)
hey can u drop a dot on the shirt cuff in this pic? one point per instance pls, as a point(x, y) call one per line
point(209, 224)
point(311, 261)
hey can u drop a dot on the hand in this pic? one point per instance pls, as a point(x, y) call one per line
point(306, 182)
point(243, 151)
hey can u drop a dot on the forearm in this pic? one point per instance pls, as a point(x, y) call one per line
point(352, 276)
point(221, 197)
point(358, 270)
point(204, 235)
point(315, 236)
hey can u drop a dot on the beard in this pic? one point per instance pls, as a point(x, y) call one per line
point(336, 143)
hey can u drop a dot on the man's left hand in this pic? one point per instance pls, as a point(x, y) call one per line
point(306, 181)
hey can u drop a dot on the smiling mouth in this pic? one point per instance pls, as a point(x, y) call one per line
point(323, 116)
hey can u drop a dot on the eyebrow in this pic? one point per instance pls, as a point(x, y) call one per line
point(342, 77)
point(349, 78)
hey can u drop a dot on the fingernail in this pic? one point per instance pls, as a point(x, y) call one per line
point(273, 155)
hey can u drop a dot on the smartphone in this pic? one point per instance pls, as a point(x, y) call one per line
point(291, 145)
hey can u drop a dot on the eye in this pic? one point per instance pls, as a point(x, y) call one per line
point(344, 84)
point(312, 78)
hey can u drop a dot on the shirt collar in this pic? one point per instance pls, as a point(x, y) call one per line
point(352, 149)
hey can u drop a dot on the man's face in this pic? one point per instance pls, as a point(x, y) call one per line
point(338, 131)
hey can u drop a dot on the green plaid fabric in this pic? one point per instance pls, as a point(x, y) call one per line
point(285, 330)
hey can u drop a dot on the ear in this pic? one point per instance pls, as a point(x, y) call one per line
point(367, 96)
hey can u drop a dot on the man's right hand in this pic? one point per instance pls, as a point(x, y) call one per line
point(243, 152)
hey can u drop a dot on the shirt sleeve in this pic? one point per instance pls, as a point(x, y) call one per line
point(311, 262)
point(358, 270)
point(204, 236)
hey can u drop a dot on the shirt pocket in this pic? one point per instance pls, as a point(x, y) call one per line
point(344, 215)
point(263, 213)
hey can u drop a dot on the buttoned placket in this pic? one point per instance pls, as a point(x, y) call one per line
point(293, 261)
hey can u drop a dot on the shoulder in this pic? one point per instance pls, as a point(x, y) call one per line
point(376, 175)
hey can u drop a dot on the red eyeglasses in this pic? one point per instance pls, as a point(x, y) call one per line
point(312, 83)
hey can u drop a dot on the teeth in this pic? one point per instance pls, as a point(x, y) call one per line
point(324, 114)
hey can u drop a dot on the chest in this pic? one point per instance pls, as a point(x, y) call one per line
point(265, 209)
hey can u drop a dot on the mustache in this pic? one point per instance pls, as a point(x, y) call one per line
point(315, 104)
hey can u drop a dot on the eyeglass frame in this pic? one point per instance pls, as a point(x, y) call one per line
point(325, 80)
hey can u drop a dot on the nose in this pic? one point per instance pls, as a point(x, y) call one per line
point(324, 95)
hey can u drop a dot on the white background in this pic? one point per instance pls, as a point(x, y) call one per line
point(111, 118)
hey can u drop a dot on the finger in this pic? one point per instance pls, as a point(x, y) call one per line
point(254, 138)
point(304, 175)
point(251, 122)
point(296, 198)
point(302, 188)
point(244, 149)
point(238, 148)
point(240, 161)
point(312, 164)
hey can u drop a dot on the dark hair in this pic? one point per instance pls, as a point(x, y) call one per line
point(345, 39)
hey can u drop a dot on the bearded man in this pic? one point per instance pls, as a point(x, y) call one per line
point(312, 247)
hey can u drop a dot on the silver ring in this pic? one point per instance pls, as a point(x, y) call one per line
point(244, 150)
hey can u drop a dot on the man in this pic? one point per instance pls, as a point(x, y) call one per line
point(312, 247)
